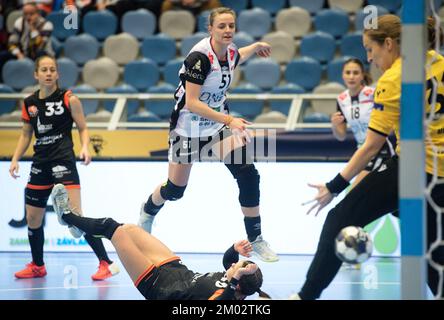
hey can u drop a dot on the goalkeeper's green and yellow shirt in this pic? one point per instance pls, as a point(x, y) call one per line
point(385, 116)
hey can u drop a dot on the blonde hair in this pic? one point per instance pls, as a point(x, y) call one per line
point(218, 11)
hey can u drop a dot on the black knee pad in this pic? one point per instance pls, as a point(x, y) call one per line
point(169, 191)
point(37, 198)
point(248, 181)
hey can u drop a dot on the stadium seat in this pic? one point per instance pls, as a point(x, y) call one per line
point(89, 105)
point(162, 108)
point(390, 5)
point(121, 48)
point(171, 71)
point(189, 41)
point(60, 31)
point(326, 106)
point(255, 22)
point(332, 21)
point(283, 106)
point(100, 24)
point(263, 73)
point(295, 21)
point(361, 15)
point(346, 5)
point(271, 6)
point(311, 6)
point(177, 23)
point(305, 72)
point(202, 21)
point(7, 106)
point(141, 74)
point(18, 74)
point(236, 5)
point(271, 117)
point(131, 105)
point(101, 73)
point(242, 39)
point(318, 45)
point(11, 18)
point(334, 69)
point(81, 48)
point(351, 45)
point(283, 46)
point(68, 72)
point(248, 109)
point(144, 116)
point(140, 23)
point(57, 46)
point(160, 48)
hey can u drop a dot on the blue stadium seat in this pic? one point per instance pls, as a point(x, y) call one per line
point(284, 105)
point(89, 105)
point(242, 39)
point(311, 6)
point(248, 109)
point(18, 74)
point(318, 45)
point(351, 45)
point(58, 21)
point(141, 74)
point(57, 46)
point(236, 5)
point(202, 21)
point(334, 69)
point(264, 73)
point(188, 42)
point(361, 15)
point(140, 23)
point(131, 105)
point(304, 71)
point(271, 6)
point(171, 71)
point(7, 106)
point(68, 72)
point(160, 48)
point(81, 48)
point(390, 5)
point(255, 22)
point(332, 21)
point(162, 108)
point(144, 116)
point(100, 24)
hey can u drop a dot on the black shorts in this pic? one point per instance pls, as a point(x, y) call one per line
point(384, 154)
point(188, 150)
point(44, 176)
point(165, 281)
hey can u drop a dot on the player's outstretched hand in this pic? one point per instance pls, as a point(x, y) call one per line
point(244, 248)
point(322, 199)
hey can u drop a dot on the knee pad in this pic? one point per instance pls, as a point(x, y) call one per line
point(248, 179)
point(169, 191)
point(37, 198)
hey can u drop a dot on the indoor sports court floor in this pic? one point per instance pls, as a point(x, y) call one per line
point(378, 279)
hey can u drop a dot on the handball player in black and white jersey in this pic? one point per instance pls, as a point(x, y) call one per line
point(49, 113)
point(156, 271)
point(200, 121)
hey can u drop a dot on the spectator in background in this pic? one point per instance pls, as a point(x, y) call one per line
point(30, 38)
point(195, 6)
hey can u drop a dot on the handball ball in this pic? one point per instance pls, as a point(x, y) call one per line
point(353, 245)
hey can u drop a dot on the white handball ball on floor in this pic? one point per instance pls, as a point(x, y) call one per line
point(353, 245)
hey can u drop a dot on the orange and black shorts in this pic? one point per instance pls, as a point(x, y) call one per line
point(44, 176)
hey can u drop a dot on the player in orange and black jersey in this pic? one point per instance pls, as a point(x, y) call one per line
point(49, 113)
point(156, 271)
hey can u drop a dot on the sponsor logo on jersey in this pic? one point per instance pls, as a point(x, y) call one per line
point(33, 111)
point(379, 92)
point(43, 128)
point(60, 171)
point(197, 66)
point(195, 75)
point(210, 57)
point(342, 96)
point(232, 53)
point(368, 92)
point(34, 170)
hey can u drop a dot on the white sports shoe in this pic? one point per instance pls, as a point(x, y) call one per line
point(294, 296)
point(145, 220)
point(60, 202)
point(261, 248)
